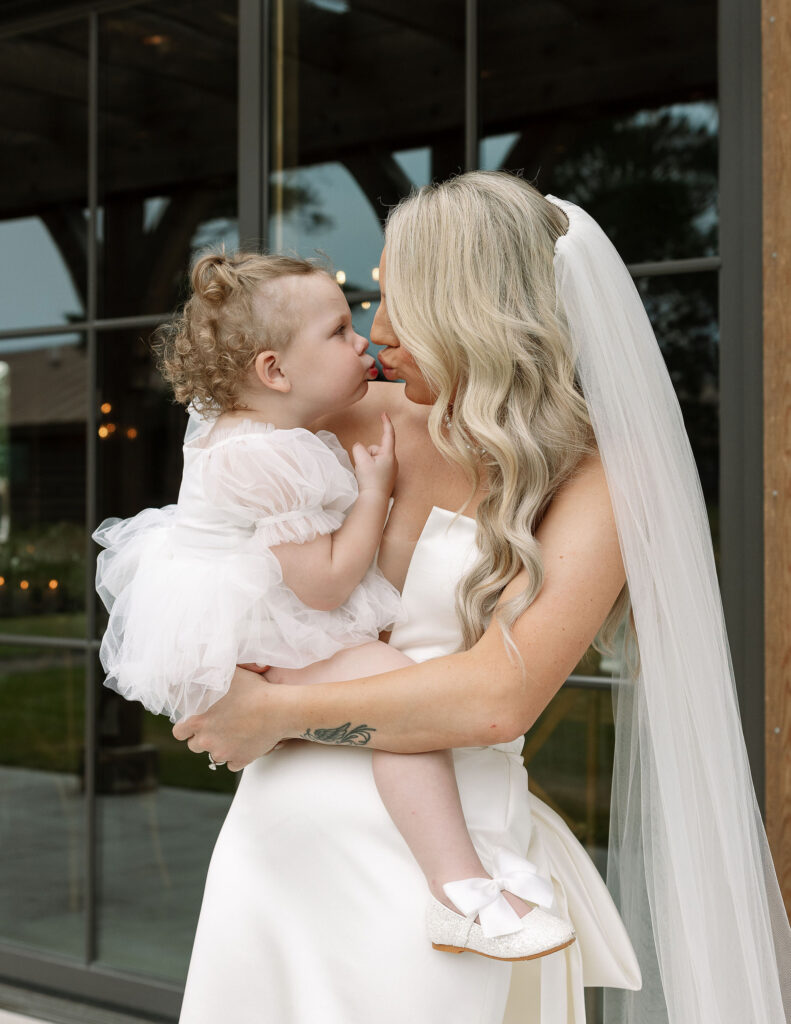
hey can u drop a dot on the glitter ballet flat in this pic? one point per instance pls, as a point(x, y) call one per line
point(502, 934)
point(541, 934)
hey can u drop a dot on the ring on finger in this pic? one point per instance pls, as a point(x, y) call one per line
point(213, 765)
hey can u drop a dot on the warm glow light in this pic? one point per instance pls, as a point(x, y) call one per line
point(365, 305)
point(53, 584)
point(30, 548)
point(375, 273)
point(110, 428)
point(23, 584)
point(2, 581)
point(106, 407)
point(340, 276)
point(154, 40)
point(103, 431)
point(131, 433)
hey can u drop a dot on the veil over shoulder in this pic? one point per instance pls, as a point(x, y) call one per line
point(689, 863)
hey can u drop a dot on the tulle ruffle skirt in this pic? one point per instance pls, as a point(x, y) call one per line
point(182, 616)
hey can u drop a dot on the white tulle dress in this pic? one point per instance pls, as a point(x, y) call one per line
point(193, 589)
point(313, 908)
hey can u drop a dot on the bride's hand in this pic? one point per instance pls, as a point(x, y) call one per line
point(242, 726)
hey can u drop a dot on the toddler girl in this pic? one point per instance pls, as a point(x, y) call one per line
point(268, 558)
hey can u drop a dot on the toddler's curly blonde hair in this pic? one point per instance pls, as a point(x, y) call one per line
point(205, 352)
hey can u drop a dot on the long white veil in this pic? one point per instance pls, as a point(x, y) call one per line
point(689, 863)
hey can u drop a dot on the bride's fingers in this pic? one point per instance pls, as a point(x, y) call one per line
point(195, 745)
point(184, 729)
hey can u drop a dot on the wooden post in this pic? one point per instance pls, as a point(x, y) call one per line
point(776, 121)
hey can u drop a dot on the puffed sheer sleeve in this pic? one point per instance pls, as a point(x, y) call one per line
point(289, 485)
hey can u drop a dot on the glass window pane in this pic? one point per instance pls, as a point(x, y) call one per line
point(616, 114)
point(683, 310)
point(43, 408)
point(160, 809)
point(367, 102)
point(43, 177)
point(42, 850)
point(569, 755)
point(168, 152)
point(140, 432)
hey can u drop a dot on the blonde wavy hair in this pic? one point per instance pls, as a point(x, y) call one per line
point(234, 312)
point(471, 295)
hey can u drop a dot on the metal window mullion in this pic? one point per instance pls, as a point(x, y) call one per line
point(89, 759)
point(253, 122)
point(79, 327)
point(471, 126)
point(70, 13)
point(60, 643)
point(741, 364)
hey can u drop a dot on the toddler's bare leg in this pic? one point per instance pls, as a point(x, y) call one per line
point(419, 791)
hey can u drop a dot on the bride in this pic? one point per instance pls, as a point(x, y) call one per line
point(535, 400)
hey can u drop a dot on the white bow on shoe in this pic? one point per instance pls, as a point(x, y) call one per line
point(484, 896)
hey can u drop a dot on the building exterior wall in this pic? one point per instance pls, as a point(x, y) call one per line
point(776, 112)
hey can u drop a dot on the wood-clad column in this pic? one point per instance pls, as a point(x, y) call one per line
point(776, 119)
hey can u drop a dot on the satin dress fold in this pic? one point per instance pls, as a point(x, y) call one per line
point(313, 911)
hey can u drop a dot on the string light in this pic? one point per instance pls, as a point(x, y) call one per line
point(53, 584)
point(105, 407)
point(2, 581)
point(110, 428)
point(340, 276)
point(131, 433)
point(103, 432)
point(375, 273)
point(365, 305)
point(23, 584)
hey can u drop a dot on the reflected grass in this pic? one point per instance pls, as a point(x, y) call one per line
point(42, 721)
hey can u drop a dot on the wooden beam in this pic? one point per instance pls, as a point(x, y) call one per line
point(776, 119)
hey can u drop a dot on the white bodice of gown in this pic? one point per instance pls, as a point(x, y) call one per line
point(445, 551)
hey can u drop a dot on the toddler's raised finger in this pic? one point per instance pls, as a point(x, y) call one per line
point(388, 433)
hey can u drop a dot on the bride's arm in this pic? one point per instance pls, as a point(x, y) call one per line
point(477, 697)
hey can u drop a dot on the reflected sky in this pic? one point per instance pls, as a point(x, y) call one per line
point(44, 296)
point(338, 221)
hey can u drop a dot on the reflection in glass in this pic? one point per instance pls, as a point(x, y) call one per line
point(568, 754)
point(616, 114)
point(43, 183)
point(168, 112)
point(683, 310)
point(42, 485)
point(42, 884)
point(140, 432)
point(366, 103)
point(160, 809)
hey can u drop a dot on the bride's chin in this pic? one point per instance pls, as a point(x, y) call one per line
point(418, 392)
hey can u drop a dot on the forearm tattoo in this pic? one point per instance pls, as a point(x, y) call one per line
point(356, 737)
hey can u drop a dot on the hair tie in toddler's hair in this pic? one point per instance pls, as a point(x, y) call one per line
point(210, 278)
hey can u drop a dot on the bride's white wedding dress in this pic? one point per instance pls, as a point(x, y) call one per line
point(313, 911)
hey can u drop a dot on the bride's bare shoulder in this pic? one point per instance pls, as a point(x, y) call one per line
point(363, 420)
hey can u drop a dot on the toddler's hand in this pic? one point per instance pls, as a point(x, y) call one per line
point(376, 466)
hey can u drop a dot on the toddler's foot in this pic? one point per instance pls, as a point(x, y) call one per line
point(519, 905)
point(501, 917)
